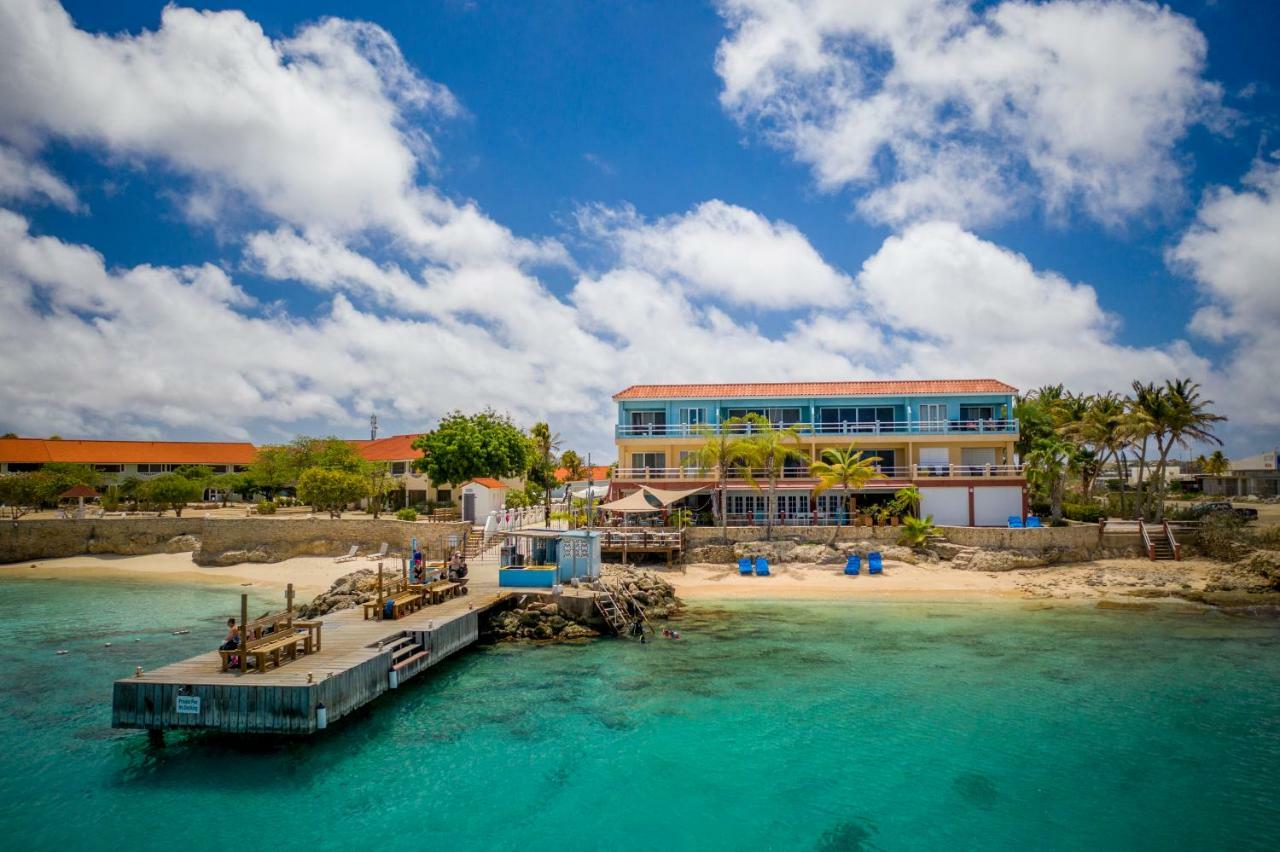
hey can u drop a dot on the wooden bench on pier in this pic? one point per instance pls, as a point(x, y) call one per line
point(402, 597)
point(272, 640)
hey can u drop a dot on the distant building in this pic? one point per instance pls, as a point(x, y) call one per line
point(1256, 475)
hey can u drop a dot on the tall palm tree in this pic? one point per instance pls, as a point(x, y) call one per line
point(846, 469)
point(1147, 408)
point(767, 449)
point(1100, 427)
point(1186, 418)
point(545, 444)
point(721, 450)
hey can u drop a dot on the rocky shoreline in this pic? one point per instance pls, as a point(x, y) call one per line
point(538, 619)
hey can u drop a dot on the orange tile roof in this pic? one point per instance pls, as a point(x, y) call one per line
point(600, 473)
point(787, 389)
point(126, 452)
point(393, 448)
point(487, 482)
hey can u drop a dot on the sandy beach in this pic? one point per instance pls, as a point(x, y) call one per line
point(697, 582)
point(901, 581)
point(310, 575)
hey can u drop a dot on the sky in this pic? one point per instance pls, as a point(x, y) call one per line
point(257, 220)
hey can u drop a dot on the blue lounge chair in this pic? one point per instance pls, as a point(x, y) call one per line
point(1033, 522)
point(744, 566)
point(853, 565)
point(762, 567)
point(1015, 522)
point(875, 563)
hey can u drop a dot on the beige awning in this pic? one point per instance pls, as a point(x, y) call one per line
point(668, 497)
point(637, 502)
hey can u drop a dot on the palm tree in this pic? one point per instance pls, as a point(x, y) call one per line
point(907, 499)
point(1185, 418)
point(720, 451)
point(1099, 426)
point(768, 449)
point(846, 469)
point(1147, 409)
point(1217, 464)
point(545, 445)
point(1048, 464)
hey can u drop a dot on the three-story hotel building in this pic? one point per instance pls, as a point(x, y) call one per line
point(953, 439)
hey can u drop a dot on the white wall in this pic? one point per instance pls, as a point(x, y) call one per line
point(992, 505)
point(947, 505)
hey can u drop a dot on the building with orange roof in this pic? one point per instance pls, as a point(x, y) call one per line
point(951, 438)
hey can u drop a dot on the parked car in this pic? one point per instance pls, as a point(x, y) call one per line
point(1203, 510)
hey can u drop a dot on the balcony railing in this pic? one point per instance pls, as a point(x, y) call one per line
point(915, 471)
point(879, 427)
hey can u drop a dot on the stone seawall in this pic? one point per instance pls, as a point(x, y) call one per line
point(1046, 545)
point(49, 539)
point(228, 541)
point(219, 541)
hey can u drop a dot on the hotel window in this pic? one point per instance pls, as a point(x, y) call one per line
point(155, 468)
point(648, 422)
point(689, 461)
point(219, 468)
point(745, 504)
point(109, 468)
point(869, 418)
point(693, 416)
point(888, 458)
point(971, 416)
point(443, 495)
point(933, 415)
point(240, 468)
point(649, 461)
point(776, 416)
point(397, 468)
point(24, 467)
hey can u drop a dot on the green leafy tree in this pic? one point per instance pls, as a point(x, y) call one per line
point(59, 476)
point(906, 501)
point(330, 490)
point(230, 483)
point(273, 469)
point(720, 451)
point(917, 531)
point(194, 472)
point(465, 446)
point(21, 493)
point(1048, 465)
point(766, 451)
point(1217, 464)
point(171, 490)
point(844, 469)
point(380, 485)
point(329, 453)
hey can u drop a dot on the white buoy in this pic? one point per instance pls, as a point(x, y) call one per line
point(63, 653)
point(322, 717)
point(107, 645)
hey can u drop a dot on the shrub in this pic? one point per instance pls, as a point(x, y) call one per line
point(407, 514)
point(430, 507)
point(110, 501)
point(1222, 536)
point(1090, 513)
point(916, 531)
point(266, 507)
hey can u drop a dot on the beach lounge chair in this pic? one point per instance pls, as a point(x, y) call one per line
point(381, 554)
point(744, 566)
point(1033, 522)
point(853, 565)
point(875, 562)
point(762, 567)
point(1015, 522)
point(351, 554)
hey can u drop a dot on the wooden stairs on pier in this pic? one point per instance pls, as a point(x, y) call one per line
point(408, 657)
point(1160, 543)
point(607, 606)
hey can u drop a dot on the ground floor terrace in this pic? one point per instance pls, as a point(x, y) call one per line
point(962, 499)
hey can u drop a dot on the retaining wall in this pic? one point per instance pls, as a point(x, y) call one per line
point(219, 541)
point(22, 541)
point(228, 541)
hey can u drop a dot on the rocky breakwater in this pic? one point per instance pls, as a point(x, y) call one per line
point(546, 618)
point(1252, 581)
point(349, 590)
point(811, 553)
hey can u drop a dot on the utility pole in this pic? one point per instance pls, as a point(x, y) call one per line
point(373, 427)
point(591, 487)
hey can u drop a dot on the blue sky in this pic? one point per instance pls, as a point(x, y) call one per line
point(619, 193)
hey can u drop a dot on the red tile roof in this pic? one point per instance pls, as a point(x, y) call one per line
point(789, 389)
point(600, 473)
point(393, 448)
point(40, 450)
point(487, 482)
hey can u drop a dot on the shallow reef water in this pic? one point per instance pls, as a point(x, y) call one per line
point(767, 726)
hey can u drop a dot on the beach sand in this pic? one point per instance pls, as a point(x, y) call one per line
point(310, 576)
point(901, 581)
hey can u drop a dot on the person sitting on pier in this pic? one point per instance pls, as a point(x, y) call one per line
point(457, 566)
point(233, 637)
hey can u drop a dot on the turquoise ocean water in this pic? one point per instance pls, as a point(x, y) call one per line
point(795, 726)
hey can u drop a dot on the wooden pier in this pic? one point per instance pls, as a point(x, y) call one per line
point(358, 661)
point(627, 541)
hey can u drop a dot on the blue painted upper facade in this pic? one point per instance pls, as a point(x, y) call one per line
point(923, 413)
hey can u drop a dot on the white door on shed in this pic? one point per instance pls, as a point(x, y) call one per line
point(992, 506)
point(949, 506)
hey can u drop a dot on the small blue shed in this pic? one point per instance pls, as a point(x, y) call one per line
point(541, 558)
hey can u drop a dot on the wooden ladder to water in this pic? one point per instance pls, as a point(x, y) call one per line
point(613, 614)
